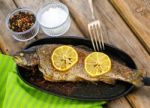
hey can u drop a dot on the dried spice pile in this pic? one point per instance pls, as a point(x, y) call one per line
point(21, 21)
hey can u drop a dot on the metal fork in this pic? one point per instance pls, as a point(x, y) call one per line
point(95, 31)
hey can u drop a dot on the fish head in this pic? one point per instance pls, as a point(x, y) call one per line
point(21, 59)
point(26, 58)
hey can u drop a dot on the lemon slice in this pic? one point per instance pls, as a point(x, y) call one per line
point(64, 57)
point(97, 63)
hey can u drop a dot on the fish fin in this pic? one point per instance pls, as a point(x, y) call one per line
point(47, 78)
point(108, 81)
point(30, 50)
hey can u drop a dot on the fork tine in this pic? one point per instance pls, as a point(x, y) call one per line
point(98, 35)
point(91, 36)
point(101, 35)
point(102, 38)
point(95, 36)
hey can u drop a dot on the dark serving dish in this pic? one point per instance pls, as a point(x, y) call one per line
point(79, 90)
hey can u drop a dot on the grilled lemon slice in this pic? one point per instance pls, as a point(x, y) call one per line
point(97, 63)
point(64, 57)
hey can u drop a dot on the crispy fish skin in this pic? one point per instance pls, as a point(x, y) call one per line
point(43, 53)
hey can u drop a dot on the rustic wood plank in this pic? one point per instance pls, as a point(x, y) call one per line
point(7, 43)
point(136, 14)
point(140, 98)
point(75, 30)
point(119, 103)
point(111, 31)
point(116, 33)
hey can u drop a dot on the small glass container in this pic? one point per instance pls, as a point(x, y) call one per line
point(25, 35)
point(54, 30)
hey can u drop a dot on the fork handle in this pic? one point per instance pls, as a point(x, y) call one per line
point(92, 9)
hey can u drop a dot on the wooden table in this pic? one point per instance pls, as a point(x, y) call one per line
point(126, 25)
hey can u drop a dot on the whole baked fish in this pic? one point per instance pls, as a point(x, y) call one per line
point(40, 55)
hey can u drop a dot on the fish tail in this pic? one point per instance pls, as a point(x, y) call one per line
point(138, 78)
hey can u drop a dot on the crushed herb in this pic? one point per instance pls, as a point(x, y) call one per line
point(21, 21)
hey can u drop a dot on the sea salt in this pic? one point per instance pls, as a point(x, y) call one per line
point(53, 17)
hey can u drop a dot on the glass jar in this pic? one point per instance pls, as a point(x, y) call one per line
point(25, 35)
point(59, 29)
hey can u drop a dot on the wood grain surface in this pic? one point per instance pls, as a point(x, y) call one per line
point(136, 14)
point(119, 103)
point(115, 31)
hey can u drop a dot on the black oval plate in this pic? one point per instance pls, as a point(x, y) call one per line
point(82, 90)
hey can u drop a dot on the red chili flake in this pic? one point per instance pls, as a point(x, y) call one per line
point(21, 21)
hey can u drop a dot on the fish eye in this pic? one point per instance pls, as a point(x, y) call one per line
point(21, 54)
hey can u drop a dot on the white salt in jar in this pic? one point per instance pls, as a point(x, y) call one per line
point(54, 19)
